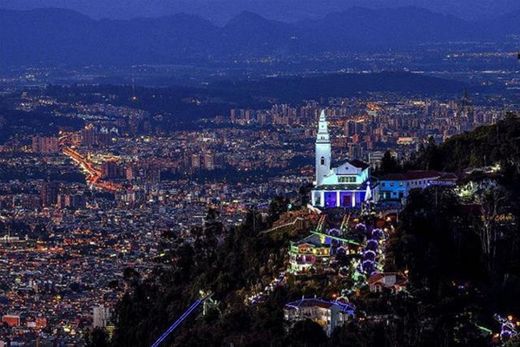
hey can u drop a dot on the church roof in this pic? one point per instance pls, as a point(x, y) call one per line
point(354, 162)
point(311, 239)
point(359, 164)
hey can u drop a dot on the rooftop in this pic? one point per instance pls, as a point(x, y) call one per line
point(317, 302)
point(417, 175)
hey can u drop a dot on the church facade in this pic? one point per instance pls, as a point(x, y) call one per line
point(347, 185)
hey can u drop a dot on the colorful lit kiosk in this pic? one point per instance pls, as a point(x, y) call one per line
point(313, 254)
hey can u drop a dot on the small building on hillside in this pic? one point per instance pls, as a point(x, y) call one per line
point(398, 186)
point(393, 281)
point(12, 320)
point(310, 253)
point(314, 254)
point(328, 314)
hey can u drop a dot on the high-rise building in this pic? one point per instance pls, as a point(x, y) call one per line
point(209, 161)
point(110, 169)
point(73, 201)
point(355, 150)
point(195, 161)
point(100, 316)
point(375, 158)
point(88, 136)
point(49, 194)
point(42, 144)
point(350, 128)
point(130, 172)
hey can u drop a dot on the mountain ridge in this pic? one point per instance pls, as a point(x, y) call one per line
point(220, 11)
point(58, 36)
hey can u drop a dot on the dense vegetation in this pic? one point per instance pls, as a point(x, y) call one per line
point(15, 123)
point(486, 145)
point(187, 103)
point(462, 247)
point(224, 263)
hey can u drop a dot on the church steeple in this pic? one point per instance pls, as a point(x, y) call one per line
point(323, 149)
point(323, 128)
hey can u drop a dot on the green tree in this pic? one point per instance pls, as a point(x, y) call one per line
point(98, 337)
point(277, 206)
point(306, 333)
point(389, 164)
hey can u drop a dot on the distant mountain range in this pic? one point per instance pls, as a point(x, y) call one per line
point(221, 11)
point(57, 36)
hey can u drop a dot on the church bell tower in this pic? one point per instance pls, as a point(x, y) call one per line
point(323, 150)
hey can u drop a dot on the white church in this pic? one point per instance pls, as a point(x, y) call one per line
point(345, 186)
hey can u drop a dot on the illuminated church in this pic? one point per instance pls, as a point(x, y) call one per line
point(344, 186)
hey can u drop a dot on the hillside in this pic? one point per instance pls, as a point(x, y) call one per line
point(219, 97)
point(485, 146)
point(461, 256)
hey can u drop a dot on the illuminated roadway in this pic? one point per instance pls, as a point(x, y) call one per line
point(93, 175)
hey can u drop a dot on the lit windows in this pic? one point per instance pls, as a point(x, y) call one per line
point(347, 179)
